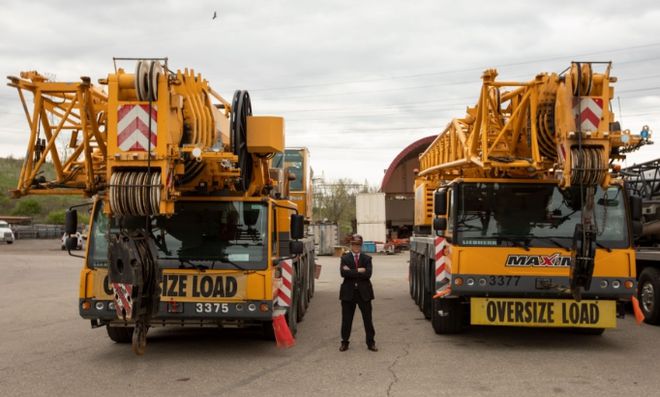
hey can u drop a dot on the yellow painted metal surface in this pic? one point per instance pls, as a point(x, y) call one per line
point(539, 261)
point(543, 312)
point(193, 286)
point(265, 134)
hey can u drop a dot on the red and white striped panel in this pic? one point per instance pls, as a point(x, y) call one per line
point(284, 293)
point(133, 128)
point(442, 267)
point(123, 300)
point(588, 111)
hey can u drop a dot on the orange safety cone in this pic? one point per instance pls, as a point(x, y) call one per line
point(283, 335)
point(639, 316)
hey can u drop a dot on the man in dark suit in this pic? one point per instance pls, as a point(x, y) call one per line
point(356, 290)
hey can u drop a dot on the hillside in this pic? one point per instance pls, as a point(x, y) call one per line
point(43, 209)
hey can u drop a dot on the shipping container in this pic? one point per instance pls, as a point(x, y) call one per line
point(326, 237)
point(375, 232)
point(370, 208)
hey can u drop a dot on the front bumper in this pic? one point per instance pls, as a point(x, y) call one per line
point(539, 286)
point(187, 313)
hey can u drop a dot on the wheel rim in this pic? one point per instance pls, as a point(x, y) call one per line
point(647, 296)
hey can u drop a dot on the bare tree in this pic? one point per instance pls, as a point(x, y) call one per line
point(334, 201)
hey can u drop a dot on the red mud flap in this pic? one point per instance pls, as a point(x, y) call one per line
point(283, 335)
point(639, 316)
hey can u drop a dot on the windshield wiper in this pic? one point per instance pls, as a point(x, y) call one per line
point(553, 240)
point(599, 245)
point(513, 241)
point(226, 259)
point(192, 265)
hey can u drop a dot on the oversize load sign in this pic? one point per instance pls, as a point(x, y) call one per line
point(180, 287)
point(543, 312)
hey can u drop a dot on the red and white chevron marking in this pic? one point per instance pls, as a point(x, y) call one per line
point(588, 111)
point(123, 300)
point(133, 128)
point(442, 267)
point(284, 293)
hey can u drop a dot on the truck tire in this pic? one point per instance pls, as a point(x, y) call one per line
point(418, 287)
point(120, 334)
point(427, 305)
point(648, 294)
point(410, 279)
point(292, 314)
point(302, 294)
point(447, 316)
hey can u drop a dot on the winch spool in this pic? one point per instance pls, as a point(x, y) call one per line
point(135, 193)
point(147, 74)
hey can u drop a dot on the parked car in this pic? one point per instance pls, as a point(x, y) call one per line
point(6, 234)
point(78, 236)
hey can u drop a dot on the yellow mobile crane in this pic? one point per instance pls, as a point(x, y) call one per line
point(518, 219)
point(190, 224)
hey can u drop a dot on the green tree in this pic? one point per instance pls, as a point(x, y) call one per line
point(28, 207)
point(335, 202)
point(56, 217)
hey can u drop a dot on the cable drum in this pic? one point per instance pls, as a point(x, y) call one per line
point(588, 167)
point(545, 125)
point(135, 193)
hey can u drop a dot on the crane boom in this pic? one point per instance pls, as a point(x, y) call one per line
point(557, 126)
point(63, 112)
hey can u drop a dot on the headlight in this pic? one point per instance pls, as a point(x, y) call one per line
point(99, 305)
point(252, 307)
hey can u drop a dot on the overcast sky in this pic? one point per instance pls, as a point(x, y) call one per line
point(357, 81)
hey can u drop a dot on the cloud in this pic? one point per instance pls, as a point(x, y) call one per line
point(356, 81)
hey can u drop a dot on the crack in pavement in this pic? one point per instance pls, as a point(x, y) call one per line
point(391, 368)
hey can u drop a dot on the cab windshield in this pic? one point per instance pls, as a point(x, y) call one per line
point(541, 215)
point(202, 235)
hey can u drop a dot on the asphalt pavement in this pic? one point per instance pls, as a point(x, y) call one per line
point(47, 349)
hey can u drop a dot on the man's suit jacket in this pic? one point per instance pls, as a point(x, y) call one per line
point(353, 278)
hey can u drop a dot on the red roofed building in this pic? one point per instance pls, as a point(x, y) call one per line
point(398, 186)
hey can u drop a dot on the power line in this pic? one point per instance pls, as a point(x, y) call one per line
point(451, 71)
point(380, 90)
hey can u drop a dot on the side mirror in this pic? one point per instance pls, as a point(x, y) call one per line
point(440, 202)
point(637, 229)
point(439, 224)
point(71, 243)
point(296, 247)
point(297, 227)
point(636, 208)
point(71, 221)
